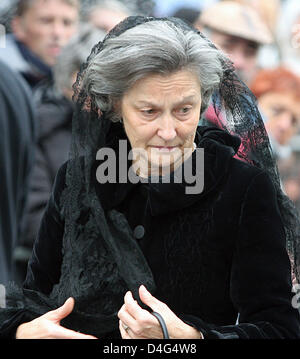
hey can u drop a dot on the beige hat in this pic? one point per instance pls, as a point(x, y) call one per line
point(238, 20)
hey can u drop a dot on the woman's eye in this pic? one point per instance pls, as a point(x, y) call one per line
point(184, 110)
point(148, 112)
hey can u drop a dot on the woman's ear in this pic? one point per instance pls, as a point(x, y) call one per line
point(116, 106)
point(117, 110)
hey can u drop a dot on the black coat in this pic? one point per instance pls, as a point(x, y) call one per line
point(216, 257)
point(17, 136)
point(54, 119)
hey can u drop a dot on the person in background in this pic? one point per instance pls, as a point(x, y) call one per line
point(188, 14)
point(290, 176)
point(288, 35)
point(17, 135)
point(169, 7)
point(278, 94)
point(239, 31)
point(7, 10)
point(40, 29)
point(270, 12)
point(105, 14)
point(54, 117)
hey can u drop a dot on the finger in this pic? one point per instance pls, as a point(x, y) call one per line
point(64, 333)
point(124, 333)
point(133, 308)
point(148, 299)
point(142, 319)
point(126, 318)
point(58, 314)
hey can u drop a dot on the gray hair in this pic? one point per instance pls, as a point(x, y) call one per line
point(159, 47)
point(74, 54)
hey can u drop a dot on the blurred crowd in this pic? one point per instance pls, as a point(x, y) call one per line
point(42, 46)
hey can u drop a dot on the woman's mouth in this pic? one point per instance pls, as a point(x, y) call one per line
point(166, 149)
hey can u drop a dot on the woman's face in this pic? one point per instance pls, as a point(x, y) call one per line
point(160, 116)
point(282, 114)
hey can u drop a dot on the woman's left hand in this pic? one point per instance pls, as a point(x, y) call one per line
point(138, 323)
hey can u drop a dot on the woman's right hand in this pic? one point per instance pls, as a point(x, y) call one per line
point(48, 325)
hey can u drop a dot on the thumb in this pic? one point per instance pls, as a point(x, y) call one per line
point(60, 313)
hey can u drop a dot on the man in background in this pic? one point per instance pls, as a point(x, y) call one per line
point(239, 31)
point(40, 29)
point(105, 14)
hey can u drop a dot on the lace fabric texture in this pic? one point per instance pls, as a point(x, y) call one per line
point(97, 245)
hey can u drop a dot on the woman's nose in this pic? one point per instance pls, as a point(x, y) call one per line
point(167, 130)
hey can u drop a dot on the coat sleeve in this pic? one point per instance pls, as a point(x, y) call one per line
point(40, 186)
point(44, 266)
point(260, 288)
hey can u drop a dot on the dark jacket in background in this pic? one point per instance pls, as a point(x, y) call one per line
point(16, 159)
point(54, 120)
point(20, 59)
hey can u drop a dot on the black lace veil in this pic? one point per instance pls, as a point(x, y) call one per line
point(234, 110)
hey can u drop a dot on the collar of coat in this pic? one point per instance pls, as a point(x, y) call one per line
point(219, 148)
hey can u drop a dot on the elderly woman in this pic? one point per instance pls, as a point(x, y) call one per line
point(210, 259)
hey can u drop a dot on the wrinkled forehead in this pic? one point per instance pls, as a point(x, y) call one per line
point(155, 87)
